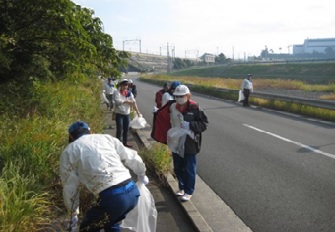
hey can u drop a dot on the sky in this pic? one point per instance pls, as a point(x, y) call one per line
point(190, 28)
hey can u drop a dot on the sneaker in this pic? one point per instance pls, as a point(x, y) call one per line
point(180, 193)
point(186, 197)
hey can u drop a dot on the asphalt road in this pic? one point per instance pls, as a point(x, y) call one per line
point(275, 170)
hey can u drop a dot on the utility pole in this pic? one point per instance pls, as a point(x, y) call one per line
point(233, 52)
point(169, 58)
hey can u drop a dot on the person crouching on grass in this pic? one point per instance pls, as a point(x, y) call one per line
point(98, 161)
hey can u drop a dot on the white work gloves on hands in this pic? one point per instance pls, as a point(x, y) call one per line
point(143, 179)
point(185, 125)
point(73, 223)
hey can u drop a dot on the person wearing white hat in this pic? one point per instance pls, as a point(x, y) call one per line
point(187, 114)
point(132, 88)
point(124, 102)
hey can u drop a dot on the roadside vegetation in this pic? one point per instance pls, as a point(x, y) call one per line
point(51, 53)
point(31, 143)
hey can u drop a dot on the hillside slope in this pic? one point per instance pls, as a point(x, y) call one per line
point(313, 73)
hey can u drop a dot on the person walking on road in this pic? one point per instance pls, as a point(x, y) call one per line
point(169, 93)
point(124, 102)
point(247, 88)
point(98, 162)
point(159, 95)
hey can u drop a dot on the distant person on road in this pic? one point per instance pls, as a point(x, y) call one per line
point(159, 95)
point(124, 102)
point(168, 95)
point(132, 88)
point(99, 162)
point(182, 113)
point(247, 88)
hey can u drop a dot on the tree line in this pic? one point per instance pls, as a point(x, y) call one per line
point(53, 40)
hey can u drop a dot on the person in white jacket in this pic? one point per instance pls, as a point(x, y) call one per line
point(99, 162)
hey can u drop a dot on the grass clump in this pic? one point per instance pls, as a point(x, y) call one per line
point(24, 206)
point(158, 159)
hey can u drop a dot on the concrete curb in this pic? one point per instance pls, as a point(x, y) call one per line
point(189, 208)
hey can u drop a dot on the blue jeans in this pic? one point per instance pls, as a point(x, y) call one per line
point(122, 126)
point(112, 207)
point(186, 171)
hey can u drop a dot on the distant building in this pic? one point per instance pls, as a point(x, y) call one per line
point(312, 46)
point(208, 58)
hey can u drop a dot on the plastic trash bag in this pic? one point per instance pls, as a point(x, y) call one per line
point(240, 96)
point(176, 137)
point(138, 122)
point(143, 218)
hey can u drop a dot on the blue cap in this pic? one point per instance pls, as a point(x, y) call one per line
point(174, 84)
point(78, 125)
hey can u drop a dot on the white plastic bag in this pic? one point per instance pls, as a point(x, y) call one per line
point(176, 137)
point(240, 96)
point(143, 218)
point(138, 122)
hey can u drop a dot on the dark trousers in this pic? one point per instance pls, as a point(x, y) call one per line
point(246, 93)
point(122, 126)
point(110, 99)
point(112, 207)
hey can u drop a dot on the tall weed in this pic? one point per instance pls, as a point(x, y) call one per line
point(24, 206)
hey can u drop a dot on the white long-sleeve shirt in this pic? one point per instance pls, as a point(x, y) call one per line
point(121, 107)
point(96, 161)
point(247, 84)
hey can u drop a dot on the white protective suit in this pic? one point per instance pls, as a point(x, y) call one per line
point(95, 160)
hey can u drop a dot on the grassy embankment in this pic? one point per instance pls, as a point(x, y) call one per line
point(305, 77)
point(33, 133)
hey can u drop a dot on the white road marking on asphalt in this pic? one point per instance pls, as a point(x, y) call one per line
point(291, 141)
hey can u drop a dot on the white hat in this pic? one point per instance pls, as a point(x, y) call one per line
point(181, 90)
point(124, 81)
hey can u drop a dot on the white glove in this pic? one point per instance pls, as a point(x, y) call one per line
point(185, 125)
point(143, 179)
point(73, 224)
point(154, 109)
